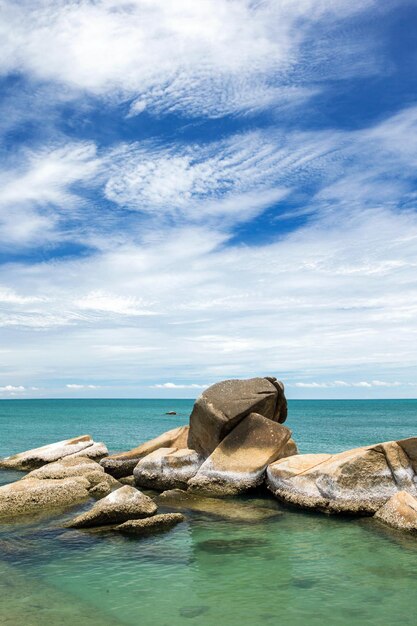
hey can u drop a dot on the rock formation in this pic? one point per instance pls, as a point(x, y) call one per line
point(100, 483)
point(356, 481)
point(126, 503)
point(167, 468)
point(123, 464)
point(223, 405)
point(157, 523)
point(400, 512)
point(32, 459)
point(35, 496)
point(239, 462)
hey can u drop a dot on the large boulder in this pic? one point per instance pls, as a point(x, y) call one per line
point(167, 468)
point(121, 505)
point(399, 512)
point(356, 481)
point(157, 523)
point(223, 405)
point(34, 496)
point(32, 459)
point(123, 464)
point(240, 460)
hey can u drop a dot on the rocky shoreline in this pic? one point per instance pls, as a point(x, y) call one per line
point(235, 442)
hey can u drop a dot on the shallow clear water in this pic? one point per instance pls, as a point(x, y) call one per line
point(296, 568)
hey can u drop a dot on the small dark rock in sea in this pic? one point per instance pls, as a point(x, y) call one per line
point(193, 611)
point(171, 413)
point(222, 546)
point(304, 583)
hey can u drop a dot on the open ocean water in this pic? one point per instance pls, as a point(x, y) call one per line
point(295, 569)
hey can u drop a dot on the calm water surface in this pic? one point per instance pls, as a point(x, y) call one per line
point(295, 569)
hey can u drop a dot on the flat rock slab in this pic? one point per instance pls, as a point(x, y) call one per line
point(32, 459)
point(126, 503)
point(101, 484)
point(355, 481)
point(123, 464)
point(34, 496)
point(157, 523)
point(167, 468)
point(223, 405)
point(399, 512)
point(238, 511)
point(240, 460)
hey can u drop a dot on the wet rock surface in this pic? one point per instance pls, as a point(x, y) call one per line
point(157, 523)
point(400, 512)
point(227, 509)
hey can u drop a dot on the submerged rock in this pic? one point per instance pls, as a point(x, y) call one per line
point(400, 511)
point(33, 496)
point(32, 459)
point(157, 523)
point(126, 503)
point(355, 481)
point(123, 464)
point(235, 510)
point(240, 460)
point(223, 405)
point(167, 468)
point(232, 546)
point(127, 480)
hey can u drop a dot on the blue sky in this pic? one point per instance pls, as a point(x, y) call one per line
point(192, 191)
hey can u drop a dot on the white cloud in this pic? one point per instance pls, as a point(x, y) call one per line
point(202, 58)
point(176, 386)
point(35, 195)
point(308, 304)
point(342, 383)
point(12, 390)
point(77, 387)
point(110, 303)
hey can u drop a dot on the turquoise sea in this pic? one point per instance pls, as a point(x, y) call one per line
point(295, 569)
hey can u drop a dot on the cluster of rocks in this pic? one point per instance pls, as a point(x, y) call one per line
point(235, 441)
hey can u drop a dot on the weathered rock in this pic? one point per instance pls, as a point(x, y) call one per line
point(157, 523)
point(167, 468)
point(236, 510)
point(35, 496)
point(356, 481)
point(127, 480)
point(32, 459)
point(73, 466)
point(223, 405)
point(400, 511)
point(123, 504)
point(68, 467)
point(96, 452)
point(289, 449)
point(123, 464)
point(240, 460)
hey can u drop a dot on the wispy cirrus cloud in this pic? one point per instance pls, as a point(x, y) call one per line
point(35, 191)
